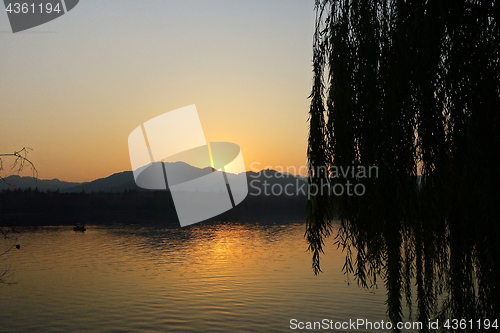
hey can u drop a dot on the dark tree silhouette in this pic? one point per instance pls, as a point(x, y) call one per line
point(20, 162)
point(412, 87)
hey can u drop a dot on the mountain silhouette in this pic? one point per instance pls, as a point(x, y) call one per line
point(259, 183)
point(20, 182)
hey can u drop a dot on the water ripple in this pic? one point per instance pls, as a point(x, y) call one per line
point(206, 278)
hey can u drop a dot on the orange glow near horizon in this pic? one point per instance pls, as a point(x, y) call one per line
point(246, 67)
point(64, 170)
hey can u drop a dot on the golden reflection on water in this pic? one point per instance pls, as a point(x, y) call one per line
point(222, 277)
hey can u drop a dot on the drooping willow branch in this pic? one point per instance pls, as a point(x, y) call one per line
point(413, 88)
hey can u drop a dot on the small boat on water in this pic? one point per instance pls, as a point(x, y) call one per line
point(80, 228)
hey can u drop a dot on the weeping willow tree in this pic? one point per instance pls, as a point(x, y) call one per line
point(412, 87)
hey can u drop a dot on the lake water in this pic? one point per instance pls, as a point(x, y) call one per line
point(226, 277)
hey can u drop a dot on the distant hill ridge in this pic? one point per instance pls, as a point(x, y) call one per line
point(20, 182)
point(123, 181)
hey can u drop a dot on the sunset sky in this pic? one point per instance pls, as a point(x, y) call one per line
point(73, 89)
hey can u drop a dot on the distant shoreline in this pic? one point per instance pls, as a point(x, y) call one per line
point(37, 208)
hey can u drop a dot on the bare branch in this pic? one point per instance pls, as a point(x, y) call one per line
point(21, 162)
